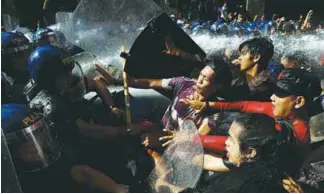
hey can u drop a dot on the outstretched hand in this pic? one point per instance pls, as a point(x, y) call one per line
point(177, 137)
point(151, 140)
point(291, 186)
point(168, 138)
point(109, 79)
point(199, 106)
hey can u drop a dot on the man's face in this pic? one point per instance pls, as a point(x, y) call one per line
point(283, 105)
point(204, 85)
point(232, 143)
point(246, 61)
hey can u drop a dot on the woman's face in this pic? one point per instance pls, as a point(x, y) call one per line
point(233, 149)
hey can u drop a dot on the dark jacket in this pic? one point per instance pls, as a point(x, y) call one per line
point(256, 177)
point(258, 89)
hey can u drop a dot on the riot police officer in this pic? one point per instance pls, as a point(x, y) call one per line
point(56, 82)
point(14, 69)
point(31, 143)
point(57, 89)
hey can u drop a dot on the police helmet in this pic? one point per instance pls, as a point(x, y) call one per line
point(29, 137)
point(48, 64)
point(15, 50)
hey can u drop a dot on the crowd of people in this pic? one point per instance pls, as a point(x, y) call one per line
point(206, 16)
point(71, 144)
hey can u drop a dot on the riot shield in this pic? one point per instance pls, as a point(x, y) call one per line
point(9, 179)
point(102, 26)
point(62, 19)
point(87, 61)
point(153, 54)
point(10, 22)
point(181, 164)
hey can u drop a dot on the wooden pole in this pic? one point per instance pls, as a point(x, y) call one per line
point(126, 93)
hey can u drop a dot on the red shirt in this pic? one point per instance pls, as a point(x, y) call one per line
point(301, 130)
point(216, 143)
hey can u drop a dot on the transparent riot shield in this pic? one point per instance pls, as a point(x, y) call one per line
point(63, 18)
point(102, 26)
point(10, 22)
point(181, 164)
point(87, 62)
point(9, 179)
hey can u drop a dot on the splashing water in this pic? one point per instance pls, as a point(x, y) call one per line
point(99, 27)
point(312, 45)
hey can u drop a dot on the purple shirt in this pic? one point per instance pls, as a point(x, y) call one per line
point(178, 111)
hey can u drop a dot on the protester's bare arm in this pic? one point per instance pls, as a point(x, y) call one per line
point(145, 83)
point(96, 131)
point(95, 179)
point(107, 132)
point(214, 163)
point(132, 82)
point(99, 85)
point(308, 17)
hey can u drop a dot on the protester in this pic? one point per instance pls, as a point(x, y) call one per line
point(252, 148)
point(255, 82)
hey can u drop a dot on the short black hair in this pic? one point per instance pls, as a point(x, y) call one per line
point(259, 46)
point(300, 82)
point(273, 146)
point(223, 74)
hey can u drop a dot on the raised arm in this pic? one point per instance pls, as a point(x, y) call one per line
point(212, 142)
point(145, 83)
point(240, 106)
point(133, 82)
